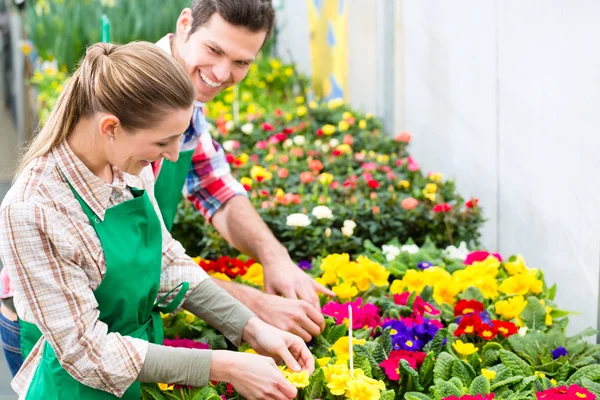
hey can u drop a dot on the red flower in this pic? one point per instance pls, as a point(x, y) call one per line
point(230, 158)
point(468, 325)
point(376, 209)
point(320, 132)
point(288, 131)
point(577, 392)
point(373, 184)
point(486, 331)
point(268, 127)
point(504, 328)
point(553, 394)
point(472, 203)
point(336, 153)
point(399, 162)
point(262, 145)
point(480, 255)
point(278, 112)
point(247, 187)
point(442, 208)
point(334, 185)
point(465, 307)
point(390, 366)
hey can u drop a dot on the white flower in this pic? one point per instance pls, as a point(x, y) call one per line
point(410, 248)
point(334, 143)
point(299, 140)
point(328, 232)
point(523, 331)
point(297, 220)
point(288, 143)
point(228, 145)
point(318, 142)
point(248, 128)
point(390, 251)
point(350, 223)
point(229, 125)
point(322, 212)
point(347, 231)
point(454, 253)
point(324, 148)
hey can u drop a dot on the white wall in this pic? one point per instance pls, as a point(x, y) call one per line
point(505, 97)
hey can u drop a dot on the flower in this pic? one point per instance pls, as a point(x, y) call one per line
point(488, 373)
point(390, 252)
point(267, 127)
point(283, 173)
point(454, 253)
point(405, 137)
point(410, 248)
point(260, 174)
point(341, 349)
point(165, 386)
point(297, 220)
point(465, 349)
point(409, 203)
point(373, 184)
point(511, 308)
point(577, 392)
point(299, 140)
point(505, 328)
point(424, 265)
point(350, 223)
point(486, 331)
point(442, 208)
point(298, 379)
point(480, 256)
point(345, 291)
point(325, 178)
point(347, 231)
point(247, 128)
point(465, 307)
point(468, 325)
point(390, 365)
point(559, 352)
point(472, 203)
point(343, 126)
point(322, 212)
point(328, 129)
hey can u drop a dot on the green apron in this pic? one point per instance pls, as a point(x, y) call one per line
point(167, 191)
point(132, 243)
point(167, 188)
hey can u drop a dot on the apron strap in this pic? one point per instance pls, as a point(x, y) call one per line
point(157, 324)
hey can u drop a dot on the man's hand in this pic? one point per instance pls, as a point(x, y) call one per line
point(286, 278)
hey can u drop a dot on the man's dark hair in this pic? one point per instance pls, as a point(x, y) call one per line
point(254, 15)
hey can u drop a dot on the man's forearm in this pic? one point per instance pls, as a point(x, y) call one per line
point(242, 293)
point(239, 223)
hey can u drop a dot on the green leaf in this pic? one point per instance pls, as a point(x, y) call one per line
point(534, 314)
point(316, 384)
point(551, 368)
point(207, 393)
point(525, 383)
point(457, 382)
point(480, 385)
point(443, 367)
point(364, 364)
point(506, 382)
point(447, 312)
point(445, 389)
point(416, 396)
point(379, 353)
point(552, 292)
point(426, 371)
point(152, 391)
point(502, 373)
point(410, 377)
point(362, 351)
point(591, 372)
point(583, 362)
point(437, 344)
point(591, 386)
point(475, 362)
point(336, 332)
point(460, 371)
point(563, 372)
point(427, 293)
point(472, 293)
point(516, 365)
point(491, 354)
point(387, 395)
point(386, 341)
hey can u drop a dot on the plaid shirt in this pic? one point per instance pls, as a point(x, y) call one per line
point(55, 262)
point(209, 183)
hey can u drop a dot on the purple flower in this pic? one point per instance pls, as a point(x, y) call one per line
point(559, 352)
point(305, 265)
point(424, 265)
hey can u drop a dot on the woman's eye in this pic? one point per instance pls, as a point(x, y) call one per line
point(163, 144)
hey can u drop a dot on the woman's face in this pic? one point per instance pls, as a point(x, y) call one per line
point(132, 151)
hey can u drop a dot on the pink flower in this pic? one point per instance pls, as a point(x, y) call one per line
point(480, 255)
point(359, 156)
point(419, 306)
point(267, 127)
point(185, 343)
point(442, 208)
point(348, 139)
point(410, 203)
point(365, 316)
point(413, 166)
point(399, 162)
point(370, 166)
point(405, 137)
point(391, 175)
point(283, 173)
point(262, 145)
point(391, 365)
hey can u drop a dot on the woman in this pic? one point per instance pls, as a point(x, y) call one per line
point(78, 239)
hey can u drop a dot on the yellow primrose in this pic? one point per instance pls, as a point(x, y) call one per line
point(344, 148)
point(383, 158)
point(270, 157)
point(397, 286)
point(313, 104)
point(165, 386)
point(488, 286)
point(260, 174)
point(347, 115)
point(345, 291)
point(488, 373)
point(436, 177)
point(465, 349)
point(228, 98)
point(414, 280)
point(246, 97)
point(289, 117)
point(275, 63)
point(328, 129)
point(553, 381)
point(435, 274)
point(298, 379)
point(517, 284)
point(378, 274)
point(337, 383)
point(430, 196)
point(301, 111)
point(511, 308)
point(255, 275)
point(404, 184)
point(221, 276)
point(335, 261)
point(358, 389)
point(517, 266)
point(548, 316)
point(228, 117)
point(355, 274)
point(540, 374)
point(488, 267)
point(335, 103)
point(341, 349)
point(289, 71)
point(446, 292)
point(362, 124)
point(323, 361)
point(430, 188)
point(251, 109)
point(335, 369)
point(325, 178)
point(300, 100)
point(343, 126)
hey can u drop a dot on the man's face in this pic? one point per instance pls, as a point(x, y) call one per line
point(217, 55)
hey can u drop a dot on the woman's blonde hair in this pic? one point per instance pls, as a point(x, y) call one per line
point(137, 82)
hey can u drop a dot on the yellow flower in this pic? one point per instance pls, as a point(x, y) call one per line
point(435, 274)
point(335, 369)
point(275, 63)
point(26, 48)
point(488, 286)
point(189, 317)
point(228, 98)
point(221, 276)
point(343, 126)
point(465, 349)
point(511, 308)
point(298, 379)
point(517, 284)
point(517, 266)
point(255, 275)
point(251, 109)
point(335, 103)
point(270, 157)
point(355, 274)
point(341, 349)
point(325, 178)
point(344, 148)
point(346, 115)
point(313, 104)
point(404, 184)
point(369, 115)
point(246, 181)
point(362, 124)
point(165, 386)
point(323, 361)
point(243, 158)
point(246, 96)
point(488, 373)
point(359, 389)
point(345, 291)
point(289, 71)
point(536, 286)
point(250, 350)
point(397, 287)
point(376, 273)
point(540, 374)
point(548, 316)
point(430, 188)
point(300, 100)
point(553, 381)
point(383, 158)
point(445, 292)
point(335, 261)
point(301, 111)
point(228, 117)
point(436, 177)
point(260, 174)
point(289, 117)
point(414, 280)
point(430, 196)
point(337, 383)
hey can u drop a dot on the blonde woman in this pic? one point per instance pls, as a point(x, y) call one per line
point(90, 259)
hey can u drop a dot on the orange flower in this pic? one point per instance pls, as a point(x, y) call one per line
point(283, 173)
point(307, 177)
point(315, 165)
point(410, 203)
